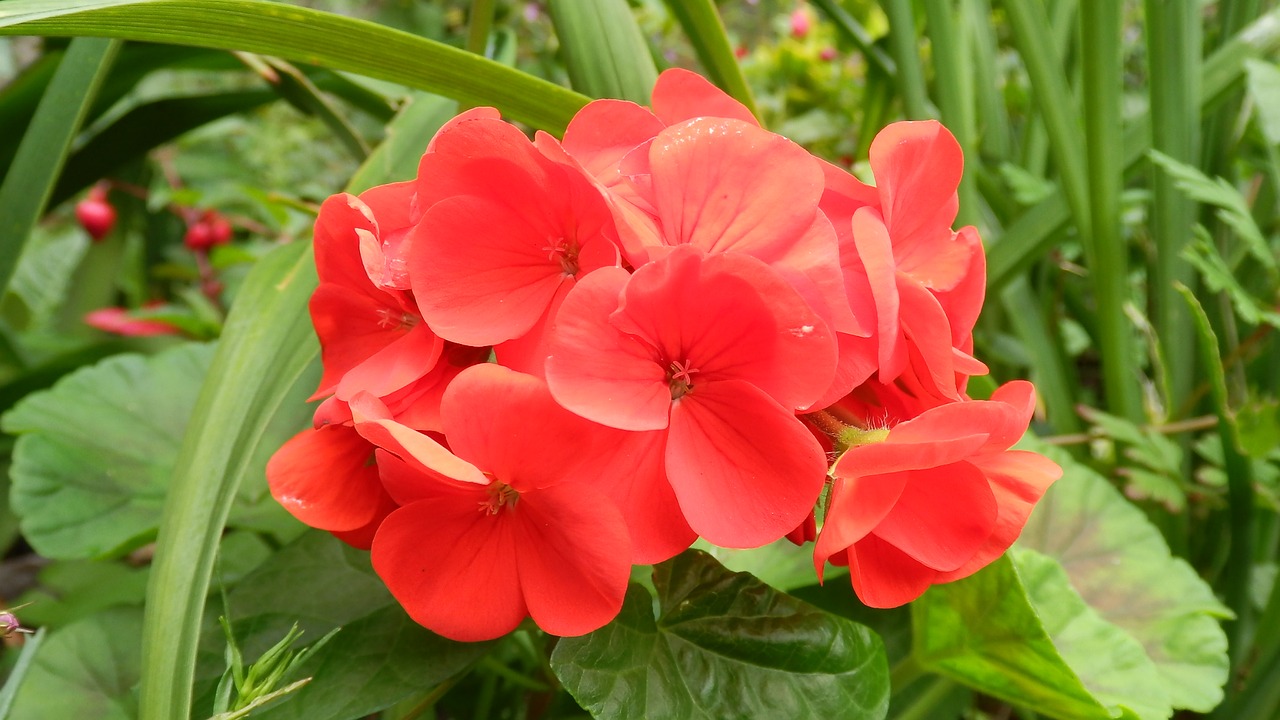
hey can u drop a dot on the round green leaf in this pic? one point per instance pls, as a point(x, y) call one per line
point(94, 452)
point(1121, 566)
point(724, 645)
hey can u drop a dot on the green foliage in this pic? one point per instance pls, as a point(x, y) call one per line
point(723, 645)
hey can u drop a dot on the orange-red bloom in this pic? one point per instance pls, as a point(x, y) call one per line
point(940, 498)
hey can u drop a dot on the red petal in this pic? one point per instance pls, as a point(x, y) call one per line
point(708, 190)
point(682, 95)
point(918, 166)
point(630, 468)
point(452, 567)
point(942, 517)
point(875, 250)
point(395, 366)
point(374, 423)
point(745, 470)
point(596, 371)
point(573, 556)
point(857, 505)
point(326, 478)
point(885, 577)
point(603, 132)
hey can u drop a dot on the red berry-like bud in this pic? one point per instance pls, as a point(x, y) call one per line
point(800, 23)
point(96, 215)
point(828, 54)
point(210, 230)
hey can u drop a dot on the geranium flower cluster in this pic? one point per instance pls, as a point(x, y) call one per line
point(546, 361)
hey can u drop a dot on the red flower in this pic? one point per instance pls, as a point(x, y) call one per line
point(325, 478)
point(940, 498)
point(371, 336)
point(506, 523)
point(506, 231)
point(903, 265)
point(717, 351)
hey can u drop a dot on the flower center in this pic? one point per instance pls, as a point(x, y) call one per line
point(396, 319)
point(501, 495)
point(566, 253)
point(680, 378)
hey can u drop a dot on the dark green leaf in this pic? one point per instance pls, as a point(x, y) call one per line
point(380, 656)
point(724, 645)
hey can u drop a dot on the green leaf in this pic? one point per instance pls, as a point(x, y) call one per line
point(780, 565)
point(1232, 208)
point(19, 672)
point(984, 632)
point(1203, 255)
point(40, 281)
point(304, 35)
point(605, 52)
point(378, 659)
point(94, 452)
point(406, 140)
point(69, 590)
point(1264, 88)
point(1121, 566)
point(724, 645)
point(29, 181)
point(85, 670)
point(265, 351)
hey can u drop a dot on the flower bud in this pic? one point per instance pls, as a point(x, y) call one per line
point(95, 214)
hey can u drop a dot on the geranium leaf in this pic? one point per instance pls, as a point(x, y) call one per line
point(983, 632)
point(1123, 569)
point(304, 35)
point(724, 645)
point(1092, 616)
point(94, 452)
point(380, 656)
point(85, 670)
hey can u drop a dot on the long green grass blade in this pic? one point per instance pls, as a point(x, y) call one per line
point(1102, 23)
point(993, 115)
point(905, 44)
point(853, 30)
point(1173, 51)
point(953, 86)
point(1033, 233)
point(605, 52)
point(309, 36)
point(43, 151)
point(702, 25)
point(1240, 492)
point(266, 345)
point(11, 684)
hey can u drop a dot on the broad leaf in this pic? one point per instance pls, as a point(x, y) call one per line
point(304, 35)
point(85, 670)
point(984, 632)
point(95, 451)
point(380, 656)
point(724, 645)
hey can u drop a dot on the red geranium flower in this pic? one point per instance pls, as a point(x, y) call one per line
point(504, 524)
point(717, 351)
point(940, 498)
point(505, 232)
point(371, 336)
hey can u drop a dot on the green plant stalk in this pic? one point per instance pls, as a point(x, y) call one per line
point(605, 52)
point(479, 24)
point(1101, 23)
point(953, 85)
point(1240, 494)
point(853, 31)
point(1053, 381)
point(1173, 32)
point(997, 138)
point(906, 55)
point(307, 36)
point(266, 346)
point(43, 151)
point(14, 682)
point(705, 30)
